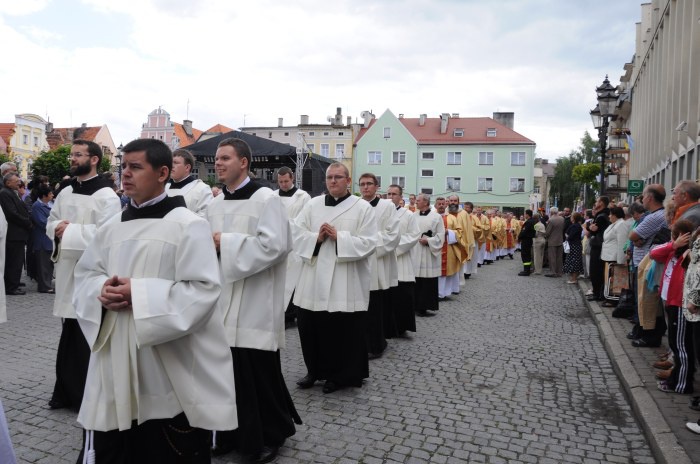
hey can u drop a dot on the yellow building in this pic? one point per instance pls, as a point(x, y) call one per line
point(27, 141)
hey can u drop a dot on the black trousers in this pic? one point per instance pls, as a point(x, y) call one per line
point(157, 441)
point(43, 270)
point(14, 263)
point(401, 300)
point(426, 294)
point(680, 340)
point(597, 272)
point(376, 342)
point(72, 359)
point(526, 251)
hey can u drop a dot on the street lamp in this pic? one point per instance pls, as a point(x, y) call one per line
point(119, 156)
point(601, 116)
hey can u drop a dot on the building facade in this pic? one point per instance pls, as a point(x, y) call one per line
point(483, 160)
point(27, 141)
point(175, 135)
point(58, 136)
point(662, 88)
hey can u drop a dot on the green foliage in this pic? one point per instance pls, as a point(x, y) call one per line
point(586, 173)
point(105, 165)
point(576, 173)
point(53, 163)
point(4, 159)
point(210, 181)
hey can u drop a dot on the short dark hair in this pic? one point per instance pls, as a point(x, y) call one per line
point(92, 148)
point(528, 212)
point(186, 155)
point(618, 212)
point(369, 175)
point(42, 190)
point(398, 187)
point(469, 203)
point(576, 217)
point(657, 191)
point(285, 171)
point(636, 208)
point(240, 146)
point(605, 200)
point(157, 153)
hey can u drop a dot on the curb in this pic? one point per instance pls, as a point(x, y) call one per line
point(664, 444)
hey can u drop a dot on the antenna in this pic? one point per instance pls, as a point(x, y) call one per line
point(188, 108)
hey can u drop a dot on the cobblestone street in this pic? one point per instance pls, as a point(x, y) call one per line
point(511, 370)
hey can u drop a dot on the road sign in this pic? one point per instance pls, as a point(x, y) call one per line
point(635, 187)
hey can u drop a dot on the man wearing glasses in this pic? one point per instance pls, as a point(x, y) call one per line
point(83, 206)
point(334, 235)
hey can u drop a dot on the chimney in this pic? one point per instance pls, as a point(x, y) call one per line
point(304, 120)
point(444, 119)
point(422, 119)
point(280, 122)
point(400, 115)
point(49, 127)
point(83, 125)
point(338, 116)
point(455, 115)
point(507, 119)
point(349, 120)
point(367, 116)
point(187, 125)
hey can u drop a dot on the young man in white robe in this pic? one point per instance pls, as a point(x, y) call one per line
point(293, 199)
point(197, 194)
point(147, 286)
point(402, 297)
point(78, 211)
point(334, 235)
point(251, 233)
point(381, 323)
point(428, 255)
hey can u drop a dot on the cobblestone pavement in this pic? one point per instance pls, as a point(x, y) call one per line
point(511, 370)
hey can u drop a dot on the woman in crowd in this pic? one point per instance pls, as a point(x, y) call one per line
point(42, 245)
point(614, 240)
point(538, 243)
point(679, 379)
point(691, 309)
point(573, 264)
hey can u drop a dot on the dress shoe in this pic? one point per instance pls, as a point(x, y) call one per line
point(56, 404)
point(22, 284)
point(695, 403)
point(523, 273)
point(550, 275)
point(467, 276)
point(330, 386)
point(444, 298)
point(644, 343)
point(663, 364)
point(17, 292)
point(425, 314)
point(372, 356)
point(267, 454)
point(306, 382)
point(222, 448)
point(592, 298)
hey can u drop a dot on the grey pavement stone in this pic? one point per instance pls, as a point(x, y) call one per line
point(491, 378)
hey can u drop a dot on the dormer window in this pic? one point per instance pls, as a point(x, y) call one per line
point(491, 132)
point(459, 133)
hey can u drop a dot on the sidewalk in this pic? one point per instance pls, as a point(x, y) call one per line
point(662, 416)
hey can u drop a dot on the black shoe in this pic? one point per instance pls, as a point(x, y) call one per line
point(221, 449)
point(17, 292)
point(372, 356)
point(56, 404)
point(267, 454)
point(589, 297)
point(424, 314)
point(22, 284)
point(330, 386)
point(644, 343)
point(306, 382)
point(551, 275)
point(511, 256)
point(467, 276)
point(478, 265)
point(524, 273)
point(444, 298)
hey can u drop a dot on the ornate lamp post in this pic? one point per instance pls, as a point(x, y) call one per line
point(119, 156)
point(601, 116)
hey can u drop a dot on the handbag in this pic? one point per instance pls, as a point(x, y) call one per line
point(566, 246)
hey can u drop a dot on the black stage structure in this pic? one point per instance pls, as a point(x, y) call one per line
point(268, 157)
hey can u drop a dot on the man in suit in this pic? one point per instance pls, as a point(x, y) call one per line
point(18, 226)
point(554, 233)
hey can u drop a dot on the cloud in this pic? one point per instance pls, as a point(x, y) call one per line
point(21, 8)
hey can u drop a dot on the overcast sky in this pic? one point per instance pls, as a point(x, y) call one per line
point(112, 62)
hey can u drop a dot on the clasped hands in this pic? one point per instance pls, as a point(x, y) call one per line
point(327, 231)
point(116, 294)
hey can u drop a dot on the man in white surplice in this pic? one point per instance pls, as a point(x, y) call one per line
point(428, 255)
point(78, 211)
point(293, 199)
point(334, 235)
point(146, 295)
point(251, 232)
point(197, 194)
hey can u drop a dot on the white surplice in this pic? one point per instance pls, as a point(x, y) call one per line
point(255, 240)
point(383, 262)
point(338, 278)
point(169, 353)
point(294, 205)
point(429, 258)
point(410, 233)
point(197, 196)
point(85, 213)
point(3, 237)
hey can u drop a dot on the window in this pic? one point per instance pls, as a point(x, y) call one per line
point(312, 133)
point(339, 150)
point(211, 172)
point(427, 190)
point(311, 147)
point(485, 184)
point(517, 158)
point(374, 157)
point(36, 141)
point(399, 180)
point(325, 149)
point(426, 173)
point(269, 135)
point(161, 137)
point(459, 133)
point(326, 134)
point(486, 158)
point(491, 132)
point(340, 134)
point(398, 157)
point(25, 139)
point(454, 157)
point(453, 184)
point(536, 189)
point(427, 156)
point(286, 134)
point(517, 184)
point(387, 132)
point(379, 181)
point(195, 172)
point(253, 134)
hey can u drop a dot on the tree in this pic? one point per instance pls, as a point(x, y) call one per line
point(4, 159)
point(581, 166)
point(55, 164)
